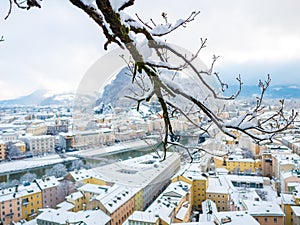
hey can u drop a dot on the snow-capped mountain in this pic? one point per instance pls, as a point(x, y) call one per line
point(42, 97)
point(114, 92)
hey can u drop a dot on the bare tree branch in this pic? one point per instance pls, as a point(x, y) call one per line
point(121, 29)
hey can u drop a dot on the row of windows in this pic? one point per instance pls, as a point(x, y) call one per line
point(10, 205)
point(219, 196)
point(3, 212)
point(275, 220)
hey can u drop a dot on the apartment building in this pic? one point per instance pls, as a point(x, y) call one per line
point(10, 205)
point(91, 138)
point(198, 181)
point(118, 203)
point(148, 173)
point(289, 181)
point(265, 212)
point(236, 163)
point(39, 145)
point(172, 205)
point(36, 128)
point(49, 187)
point(31, 197)
point(219, 190)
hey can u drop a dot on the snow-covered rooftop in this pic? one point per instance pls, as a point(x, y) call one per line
point(138, 172)
point(74, 196)
point(252, 179)
point(235, 218)
point(93, 188)
point(116, 196)
point(219, 185)
point(65, 206)
point(262, 208)
point(167, 201)
point(288, 199)
point(145, 217)
point(47, 182)
point(90, 217)
point(296, 210)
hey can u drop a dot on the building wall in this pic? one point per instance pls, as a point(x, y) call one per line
point(284, 168)
point(138, 201)
point(232, 165)
point(242, 165)
point(157, 185)
point(267, 164)
point(2, 151)
point(199, 193)
point(37, 129)
point(87, 139)
point(288, 214)
point(9, 137)
point(78, 203)
point(119, 216)
point(30, 205)
point(293, 179)
point(40, 144)
point(94, 180)
point(296, 219)
point(198, 190)
point(269, 220)
point(50, 199)
point(10, 210)
point(221, 200)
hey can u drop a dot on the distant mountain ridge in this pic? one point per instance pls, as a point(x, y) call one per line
point(41, 97)
point(112, 91)
point(119, 87)
point(273, 92)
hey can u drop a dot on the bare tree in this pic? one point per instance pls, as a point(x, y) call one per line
point(12, 150)
point(28, 177)
point(122, 29)
point(58, 170)
point(64, 188)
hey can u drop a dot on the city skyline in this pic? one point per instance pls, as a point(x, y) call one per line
point(53, 47)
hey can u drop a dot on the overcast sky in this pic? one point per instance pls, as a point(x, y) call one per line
point(53, 47)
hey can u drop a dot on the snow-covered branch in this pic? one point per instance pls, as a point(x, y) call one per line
point(122, 29)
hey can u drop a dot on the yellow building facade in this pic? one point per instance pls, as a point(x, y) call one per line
point(31, 198)
point(287, 201)
point(198, 184)
point(238, 164)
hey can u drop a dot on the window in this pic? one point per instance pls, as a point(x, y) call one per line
point(266, 219)
point(275, 220)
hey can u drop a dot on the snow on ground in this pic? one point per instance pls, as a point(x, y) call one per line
point(8, 167)
point(115, 148)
